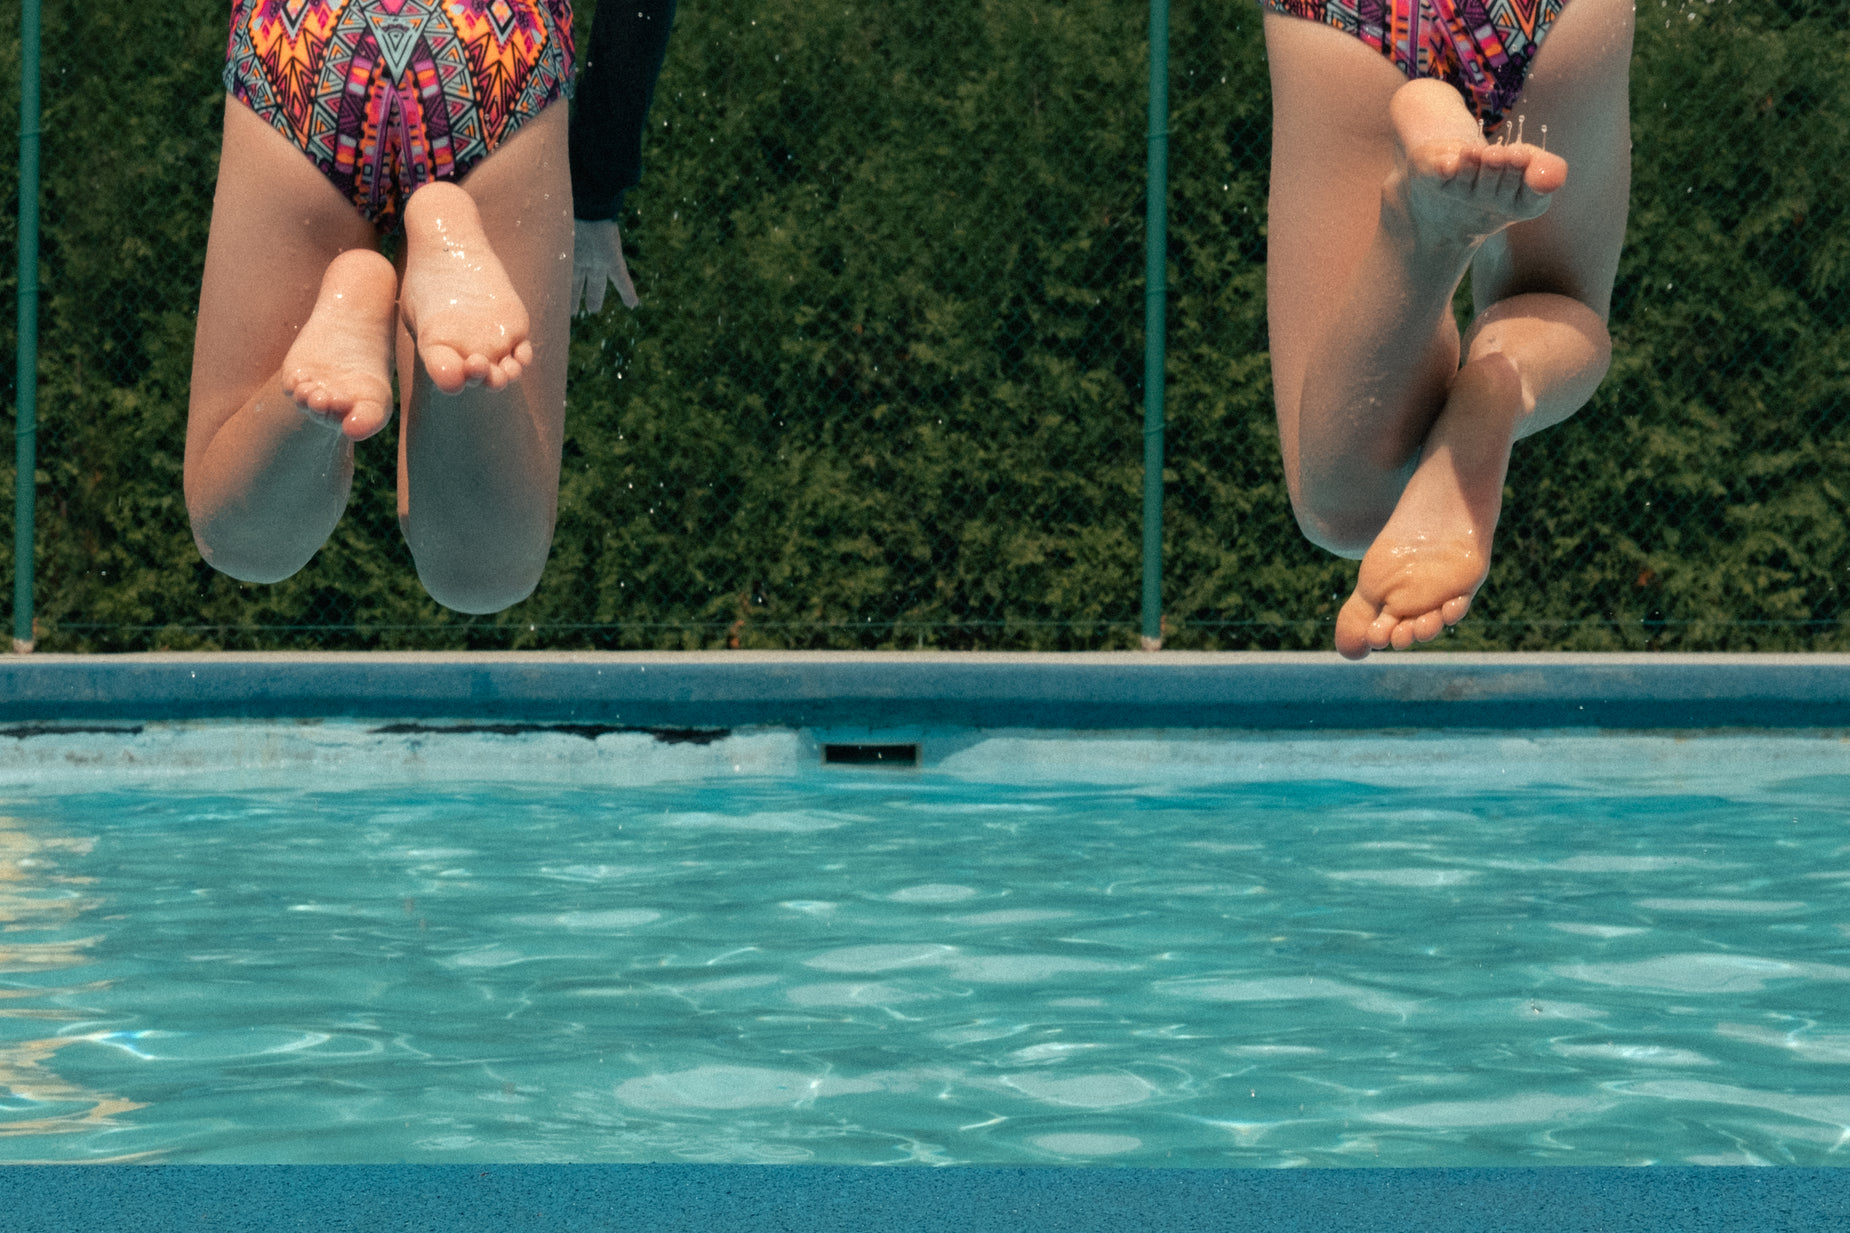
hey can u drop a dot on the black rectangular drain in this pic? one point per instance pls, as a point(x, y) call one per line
point(871, 755)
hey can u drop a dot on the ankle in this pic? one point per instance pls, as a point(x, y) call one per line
point(1486, 404)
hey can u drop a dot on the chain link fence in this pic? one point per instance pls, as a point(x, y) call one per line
point(884, 387)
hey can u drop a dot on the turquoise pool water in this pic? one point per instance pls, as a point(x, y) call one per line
point(323, 944)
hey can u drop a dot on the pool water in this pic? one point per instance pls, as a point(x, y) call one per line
point(1206, 950)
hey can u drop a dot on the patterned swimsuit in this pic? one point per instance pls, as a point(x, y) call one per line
point(385, 96)
point(1483, 47)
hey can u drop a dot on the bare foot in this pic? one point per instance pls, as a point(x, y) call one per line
point(338, 370)
point(469, 323)
point(1434, 553)
point(1458, 187)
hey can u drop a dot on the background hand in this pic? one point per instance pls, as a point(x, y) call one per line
point(597, 262)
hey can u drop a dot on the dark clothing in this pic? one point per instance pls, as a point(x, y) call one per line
point(629, 39)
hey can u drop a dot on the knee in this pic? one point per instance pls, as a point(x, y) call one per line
point(1333, 513)
point(1542, 324)
point(1558, 344)
point(480, 583)
point(244, 553)
point(248, 562)
point(1341, 532)
point(1337, 526)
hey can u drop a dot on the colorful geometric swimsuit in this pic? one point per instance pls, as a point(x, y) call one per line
point(385, 96)
point(1482, 47)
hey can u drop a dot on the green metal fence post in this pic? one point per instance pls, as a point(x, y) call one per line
point(25, 423)
point(1156, 231)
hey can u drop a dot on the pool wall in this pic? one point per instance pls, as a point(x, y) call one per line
point(825, 691)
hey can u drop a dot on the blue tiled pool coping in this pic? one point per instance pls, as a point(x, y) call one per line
point(1066, 691)
point(804, 1199)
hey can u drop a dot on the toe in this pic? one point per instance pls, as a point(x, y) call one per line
point(1546, 172)
point(1402, 636)
point(365, 420)
point(1352, 627)
point(1440, 160)
point(445, 367)
point(1504, 180)
point(1427, 626)
point(523, 351)
point(1451, 164)
point(1453, 611)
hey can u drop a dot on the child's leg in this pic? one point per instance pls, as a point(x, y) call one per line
point(1556, 272)
point(1382, 191)
point(478, 480)
point(1332, 148)
point(294, 301)
point(1533, 356)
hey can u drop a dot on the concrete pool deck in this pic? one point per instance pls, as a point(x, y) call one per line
point(890, 690)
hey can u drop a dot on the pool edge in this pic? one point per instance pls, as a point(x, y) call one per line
point(1086, 691)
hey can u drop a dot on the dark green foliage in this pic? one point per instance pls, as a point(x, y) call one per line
point(885, 386)
point(889, 275)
